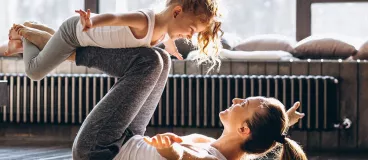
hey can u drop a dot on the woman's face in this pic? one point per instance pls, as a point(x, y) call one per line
point(241, 110)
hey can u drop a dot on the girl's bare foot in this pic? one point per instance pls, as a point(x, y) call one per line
point(39, 26)
point(13, 35)
point(14, 47)
point(37, 37)
point(72, 57)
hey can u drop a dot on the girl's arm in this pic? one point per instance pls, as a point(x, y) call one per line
point(132, 19)
point(170, 47)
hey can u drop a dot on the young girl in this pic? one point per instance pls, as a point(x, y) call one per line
point(179, 19)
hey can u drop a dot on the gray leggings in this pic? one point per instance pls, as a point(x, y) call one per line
point(61, 45)
point(129, 104)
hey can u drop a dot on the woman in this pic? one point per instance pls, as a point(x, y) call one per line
point(252, 126)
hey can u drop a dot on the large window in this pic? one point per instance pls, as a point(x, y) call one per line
point(345, 19)
point(49, 12)
point(253, 17)
point(243, 17)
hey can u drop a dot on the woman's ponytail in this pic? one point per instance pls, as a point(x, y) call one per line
point(292, 151)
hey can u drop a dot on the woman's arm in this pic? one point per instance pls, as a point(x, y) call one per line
point(293, 114)
point(167, 145)
point(198, 138)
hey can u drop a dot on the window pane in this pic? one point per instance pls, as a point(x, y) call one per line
point(107, 6)
point(126, 5)
point(49, 12)
point(253, 17)
point(346, 19)
point(244, 17)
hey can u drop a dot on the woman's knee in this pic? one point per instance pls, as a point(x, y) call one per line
point(33, 75)
point(152, 59)
point(165, 57)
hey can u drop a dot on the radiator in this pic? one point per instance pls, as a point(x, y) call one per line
point(187, 100)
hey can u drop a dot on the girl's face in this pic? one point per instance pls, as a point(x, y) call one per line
point(185, 24)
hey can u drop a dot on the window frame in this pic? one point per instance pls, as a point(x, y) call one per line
point(93, 5)
point(304, 15)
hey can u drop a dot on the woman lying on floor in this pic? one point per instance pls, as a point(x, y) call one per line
point(252, 126)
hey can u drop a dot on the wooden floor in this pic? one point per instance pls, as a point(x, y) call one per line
point(28, 150)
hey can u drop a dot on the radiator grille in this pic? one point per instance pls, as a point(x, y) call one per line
point(187, 100)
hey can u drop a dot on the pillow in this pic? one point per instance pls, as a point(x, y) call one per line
point(225, 44)
point(255, 55)
point(362, 52)
point(230, 40)
point(267, 43)
point(194, 55)
point(317, 47)
point(184, 47)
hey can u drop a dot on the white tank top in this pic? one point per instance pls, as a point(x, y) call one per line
point(116, 36)
point(137, 149)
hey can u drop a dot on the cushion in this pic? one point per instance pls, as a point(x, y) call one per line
point(255, 55)
point(362, 52)
point(230, 40)
point(184, 47)
point(269, 42)
point(325, 47)
point(225, 44)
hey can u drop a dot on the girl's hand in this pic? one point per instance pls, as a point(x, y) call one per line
point(177, 55)
point(163, 141)
point(171, 48)
point(174, 52)
point(85, 18)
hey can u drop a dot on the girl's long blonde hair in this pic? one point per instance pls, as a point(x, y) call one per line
point(209, 40)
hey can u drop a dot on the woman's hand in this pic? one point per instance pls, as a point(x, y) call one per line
point(164, 144)
point(294, 115)
point(85, 18)
point(163, 141)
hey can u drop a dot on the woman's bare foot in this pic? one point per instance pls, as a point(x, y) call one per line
point(37, 37)
point(39, 26)
point(13, 35)
point(14, 47)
